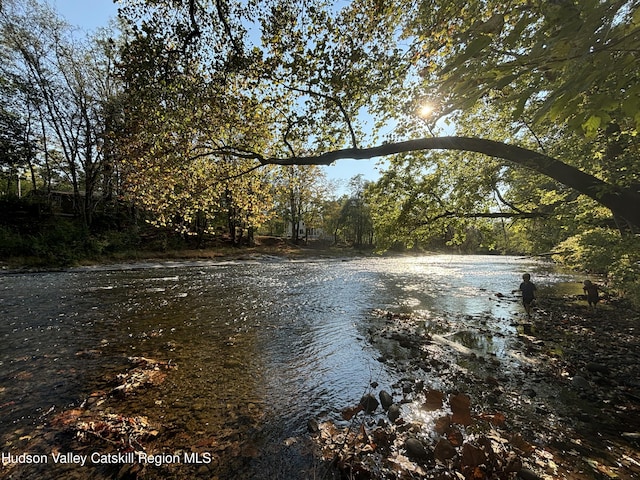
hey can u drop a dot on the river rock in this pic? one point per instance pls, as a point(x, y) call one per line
point(580, 383)
point(598, 368)
point(369, 403)
point(526, 474)
point(203, 471)
point(385, 399)
point(313, 426)
point(416, 450)
point(394, 412)
point(444, 450)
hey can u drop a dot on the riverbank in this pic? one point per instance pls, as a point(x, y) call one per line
point(563, 403)
point(264, 247)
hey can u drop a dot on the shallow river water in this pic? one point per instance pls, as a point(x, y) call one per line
point(267, 344)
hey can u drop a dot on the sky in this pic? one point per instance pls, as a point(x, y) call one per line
point(89, 15)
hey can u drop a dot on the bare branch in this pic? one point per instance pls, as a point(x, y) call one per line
point(538, 141)
point(512, 215)
point(238, 175)
point(338, 103)
point(222, 16)
point(228, 151)
point(290, 125)
point(508, 204)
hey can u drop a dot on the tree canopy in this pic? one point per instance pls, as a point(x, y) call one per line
point(324, 78)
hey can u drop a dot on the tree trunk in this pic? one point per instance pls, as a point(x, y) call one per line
point(251, 237)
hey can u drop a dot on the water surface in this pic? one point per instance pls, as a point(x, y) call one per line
point(261, 346)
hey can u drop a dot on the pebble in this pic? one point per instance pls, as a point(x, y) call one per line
point(394, 412)
point(444, 450)
point(313, 426)
point(415, 449)
point(369, 403)
point(598, 368)
point(385, 399)
point(526, 474)
point(580, 383)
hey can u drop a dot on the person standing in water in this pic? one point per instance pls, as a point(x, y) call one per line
point(528, 289)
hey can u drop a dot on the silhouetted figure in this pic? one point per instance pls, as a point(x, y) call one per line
point(528, 290)
point(592, 291)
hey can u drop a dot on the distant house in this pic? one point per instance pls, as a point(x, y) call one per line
point(306, 233)
point(62, 202)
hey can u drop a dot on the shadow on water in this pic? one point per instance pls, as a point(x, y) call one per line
point(261, 347)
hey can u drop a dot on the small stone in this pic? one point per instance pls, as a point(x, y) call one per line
point(514, 464)
point(416, 450)
point(203, 471)
point(394, 412)
point(580, 383)
point(526, 474)
point(385, 399)
point(369, 403)
point(313, 426)
point(444, 450)
point(598, 368)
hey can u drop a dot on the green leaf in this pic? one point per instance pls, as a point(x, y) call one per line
point(591, 126)
point(475, 47)
point(504, 81)
point(636, 17)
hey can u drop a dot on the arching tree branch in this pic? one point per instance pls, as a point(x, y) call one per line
point(510, 215)
point(622, 202)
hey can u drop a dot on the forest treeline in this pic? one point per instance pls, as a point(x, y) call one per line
point(505, 127)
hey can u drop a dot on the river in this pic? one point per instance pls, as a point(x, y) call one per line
point(261, 346)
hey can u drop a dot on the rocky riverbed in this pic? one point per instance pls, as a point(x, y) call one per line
point(560, 400)
point(474, 398)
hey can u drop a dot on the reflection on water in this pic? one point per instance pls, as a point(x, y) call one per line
point(266, 345)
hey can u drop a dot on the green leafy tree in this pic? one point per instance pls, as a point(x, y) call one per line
point(512, 54)
point(512, 57)
point(300, 195)
point(355, 215)
point(63, 84)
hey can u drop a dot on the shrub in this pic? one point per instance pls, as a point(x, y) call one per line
point(605, 252)
point(11, 243)
point(590, 251)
